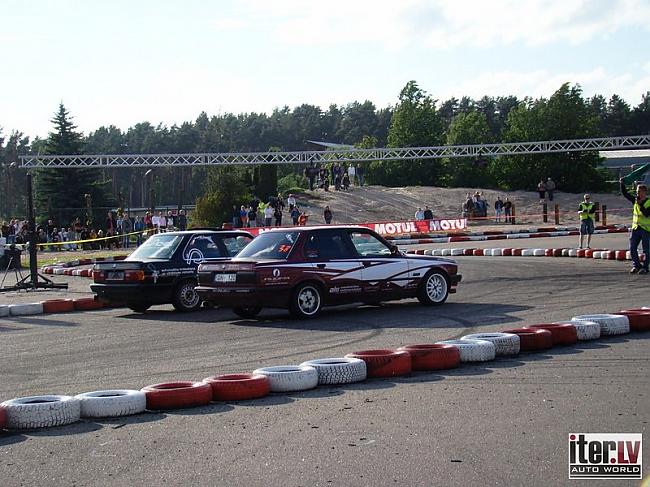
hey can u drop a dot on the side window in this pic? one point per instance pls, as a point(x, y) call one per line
point(235, 244)
point(200, 248)
point(327, 245)
point(367, 245)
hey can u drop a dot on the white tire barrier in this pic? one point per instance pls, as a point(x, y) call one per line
point(456, 252)
point(609, 324)
point(26, 309)
point(446, 252)
point(473, 350)
point(436, 252)
point(504, 343)
point(428, 252)
point(566, 252)
point(41, 411)
point(4, 310)
point(573, 252)
point(528, 252)
point(112, 403)
point(497, 252)
point(289, 378)
point(585, 330)
point(539, 252)
point(343, 370)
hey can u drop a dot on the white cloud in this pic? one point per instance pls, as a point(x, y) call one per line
point(444, 23)
point(542, 83)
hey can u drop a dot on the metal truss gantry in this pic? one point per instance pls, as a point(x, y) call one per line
point(337, 155)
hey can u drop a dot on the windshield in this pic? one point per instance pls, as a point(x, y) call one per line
point(159, 246)
point(271, 245)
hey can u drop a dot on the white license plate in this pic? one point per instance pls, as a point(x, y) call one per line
point(115, 275)
point(225, 277)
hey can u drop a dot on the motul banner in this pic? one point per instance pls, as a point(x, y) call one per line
point(391, 229)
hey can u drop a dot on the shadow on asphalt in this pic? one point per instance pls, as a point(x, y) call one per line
point(407, 314)
point(33, 320)
point(212, 408)
point(78, 428)
point(115, 423)
point(7, 439)
point(271, 400)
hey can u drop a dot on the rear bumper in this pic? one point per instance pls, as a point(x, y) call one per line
point(453, 282)
point(133, 293)
point(244, 296)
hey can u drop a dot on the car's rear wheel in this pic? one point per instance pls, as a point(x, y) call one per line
point(247, 312)
point(186, 298)
point(306, 301)
point(434, 289)
point(139, 307)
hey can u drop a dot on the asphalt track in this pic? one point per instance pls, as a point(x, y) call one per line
point(505, 422)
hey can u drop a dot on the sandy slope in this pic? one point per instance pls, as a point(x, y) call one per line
point(378, 203)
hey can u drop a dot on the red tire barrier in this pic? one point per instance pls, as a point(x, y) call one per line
point(433, 356)
point(516, 252)
point(385, 363)
point(478, 252)
point(548, 252)
point(174, 395)
point(87, 304)
point(582, 252)
point(639, 318)
point(468, 252)
point(621, 255)
point(67, 272)
point(507, 252)
point(458, 239)
point(238, 387)
point(58, 306)
point(609, 255)
point(532, 339)
point(562, 334)
point(557, 252)
point(3, 418)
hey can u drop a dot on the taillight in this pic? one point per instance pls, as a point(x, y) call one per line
point(98, 276)
point(134, 275)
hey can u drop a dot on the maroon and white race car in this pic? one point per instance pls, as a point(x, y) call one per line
point(303, 269)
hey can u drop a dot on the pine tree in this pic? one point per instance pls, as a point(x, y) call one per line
point(60, 192)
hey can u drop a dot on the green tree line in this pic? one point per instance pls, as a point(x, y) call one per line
point(417, 119)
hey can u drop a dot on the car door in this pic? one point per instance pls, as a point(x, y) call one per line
point(385, 274)
point(334, 261)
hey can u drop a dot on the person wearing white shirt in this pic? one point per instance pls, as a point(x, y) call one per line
point(291, 201)
point(351, 173)
point(268, 216)
point(155, 221)
point(419, 215)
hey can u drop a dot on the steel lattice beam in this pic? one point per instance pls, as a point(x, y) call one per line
point(338, 155)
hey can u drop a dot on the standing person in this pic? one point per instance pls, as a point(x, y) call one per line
point(346, 181)
point(138, 226)
point(162, 222)
point(148, 222)
point(78, 227)
point(419, 214)
point(295, 214)
point(428, 214)
point(587, 212)
point(361, 175)
point(126, 230)
point(243, 216)
point(468, 207)
point(507, 210)
point(291, 201)
point(236, 217)
point(352, 172)
point(550, 188)
point(154, 222)
point(171, 224)
point(327, 214)
point(541, 189)
point(277, 214)
point(498, 209)
point(268, 216)
point(640, 227)
point(252, 217)
point(182, 221)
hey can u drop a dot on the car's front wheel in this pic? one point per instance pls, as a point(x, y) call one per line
point(247, 312)
point(434, 289)
point(186, 298)
point(306, 301)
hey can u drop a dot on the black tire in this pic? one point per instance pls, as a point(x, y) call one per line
point(306, 301)
point(247, 312)
point(138, 307)
point(186, 298)
point(434, 289)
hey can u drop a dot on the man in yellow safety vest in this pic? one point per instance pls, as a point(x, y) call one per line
point(640, 227)
point(586, 211)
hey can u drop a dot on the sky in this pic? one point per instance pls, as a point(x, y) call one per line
point(121, 62)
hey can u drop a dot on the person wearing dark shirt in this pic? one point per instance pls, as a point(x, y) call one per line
point(428, 214)
point(640, 226)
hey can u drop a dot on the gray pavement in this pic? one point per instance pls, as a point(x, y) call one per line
point(501, 423)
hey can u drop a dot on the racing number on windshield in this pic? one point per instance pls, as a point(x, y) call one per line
point(284, 248)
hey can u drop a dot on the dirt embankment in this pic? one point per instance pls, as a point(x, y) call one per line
point(378, 203)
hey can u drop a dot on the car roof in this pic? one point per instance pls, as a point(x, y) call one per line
point(206, 230)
